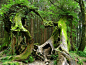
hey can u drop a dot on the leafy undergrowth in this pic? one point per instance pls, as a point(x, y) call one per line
point(82, 54)
point(79, 57)
point(7, 60)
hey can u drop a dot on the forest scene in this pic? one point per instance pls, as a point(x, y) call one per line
point(42, 32)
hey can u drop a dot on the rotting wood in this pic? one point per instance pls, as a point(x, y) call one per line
point(13, 41)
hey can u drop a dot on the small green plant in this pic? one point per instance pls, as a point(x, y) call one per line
point(82, 54)
point(84, 60)
point(10, 63)
point(84, 50)
point(55, 62)
point(31, 59)
point(5, 59)
point(80, 62)
point(26, 61)
point(54, 56)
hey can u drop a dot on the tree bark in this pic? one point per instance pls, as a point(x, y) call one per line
point(13, 42)
point(45, 34)
point(42, 37)
point(63, 50)
point(71, 41)
point(63, 34)
point(37, 30)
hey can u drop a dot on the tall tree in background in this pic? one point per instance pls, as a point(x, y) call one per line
point(83, 37)
point(32, 24)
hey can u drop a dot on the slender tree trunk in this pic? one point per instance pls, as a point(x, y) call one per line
point(80, 30)
point(74, 38)
point(37, 29)
point(83, 38)
point(32, 28)
point(1, 29)
point(71, 37)
point(42, 34)
point(48, 33)
point(45, 34)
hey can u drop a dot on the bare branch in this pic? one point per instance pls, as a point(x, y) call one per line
point(52, 3)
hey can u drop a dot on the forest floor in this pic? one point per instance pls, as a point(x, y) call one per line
point(41, 63)
point(79, 61)
point(82, 58)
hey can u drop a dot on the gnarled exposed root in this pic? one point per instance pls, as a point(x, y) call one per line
point(64, 57)
point(25, 54)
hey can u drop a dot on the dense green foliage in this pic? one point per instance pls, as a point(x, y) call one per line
point(5, 7)
point(80, 53)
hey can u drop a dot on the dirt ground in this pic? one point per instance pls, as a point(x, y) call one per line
point(41, 63)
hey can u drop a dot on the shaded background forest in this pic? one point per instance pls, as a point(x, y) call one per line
point(39, 33)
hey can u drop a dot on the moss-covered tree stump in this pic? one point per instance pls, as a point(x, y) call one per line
point(14, 18)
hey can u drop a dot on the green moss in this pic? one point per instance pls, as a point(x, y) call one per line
point(25, 54)
point(18, 24)
point(36, 43)
point(47, 23)
point(56, 33)
point(61, 30)
point(10, 63)
point(69, 45)
point(31, 59)
point(62, 25)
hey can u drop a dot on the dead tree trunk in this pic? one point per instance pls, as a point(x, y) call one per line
point(63, 50)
